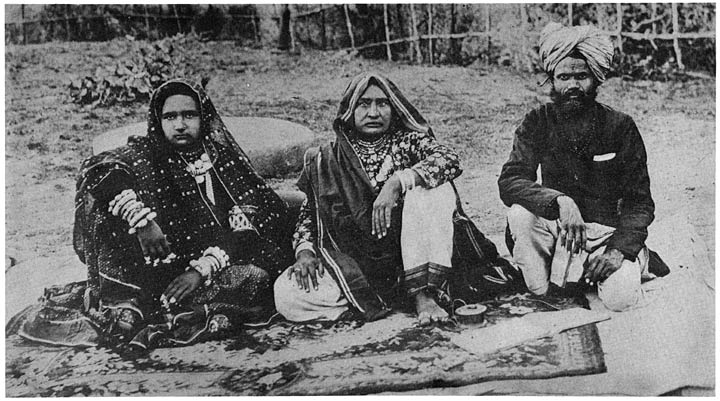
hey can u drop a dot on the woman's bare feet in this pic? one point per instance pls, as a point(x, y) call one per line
point(428, 310)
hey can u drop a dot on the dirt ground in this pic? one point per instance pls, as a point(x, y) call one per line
point(473, 109)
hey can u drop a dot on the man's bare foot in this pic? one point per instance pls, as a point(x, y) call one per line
point(428, 310)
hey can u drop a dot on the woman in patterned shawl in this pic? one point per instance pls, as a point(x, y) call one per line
point(181, 237)
point(363, 223)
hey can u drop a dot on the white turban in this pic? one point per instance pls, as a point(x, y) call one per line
point(557, 42)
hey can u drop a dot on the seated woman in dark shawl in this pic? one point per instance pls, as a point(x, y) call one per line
point(181, 237)
point(378, 216)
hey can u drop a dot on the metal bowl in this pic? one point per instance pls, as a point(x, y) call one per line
point(471, 313)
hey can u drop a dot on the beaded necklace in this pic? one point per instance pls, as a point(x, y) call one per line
point(200, 170)
point(378, 167)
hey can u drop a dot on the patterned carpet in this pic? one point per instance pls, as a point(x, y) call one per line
point(392, 354)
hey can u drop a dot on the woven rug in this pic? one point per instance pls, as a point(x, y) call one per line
point(310, 359)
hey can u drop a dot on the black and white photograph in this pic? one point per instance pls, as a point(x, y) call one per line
point(476, 199)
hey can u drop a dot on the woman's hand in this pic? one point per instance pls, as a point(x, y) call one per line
point(153, 241)
point(307, 265)
point(383, 205)
point(183, 285)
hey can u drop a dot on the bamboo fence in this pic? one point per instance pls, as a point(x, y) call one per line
point(149, 18)
point(430, 37)
point(414, 40)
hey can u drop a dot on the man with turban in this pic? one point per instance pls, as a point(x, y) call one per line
point(586, 222)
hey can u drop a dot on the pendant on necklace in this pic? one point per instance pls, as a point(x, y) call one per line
point(239, 220)
point(209, 191)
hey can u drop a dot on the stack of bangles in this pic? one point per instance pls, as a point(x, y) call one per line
point(407, 179)
point(212, 261)
point(127, 206)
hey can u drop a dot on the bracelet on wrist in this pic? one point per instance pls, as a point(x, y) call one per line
point(142, 222)
point(202, 266)
point(222, 258)
point(121, 200)
point(127, 206)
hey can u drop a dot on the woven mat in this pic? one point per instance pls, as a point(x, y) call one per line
point(311, 359)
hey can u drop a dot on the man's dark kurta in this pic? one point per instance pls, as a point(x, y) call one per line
point(614, 192)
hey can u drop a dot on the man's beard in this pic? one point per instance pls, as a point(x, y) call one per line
point(569, 107)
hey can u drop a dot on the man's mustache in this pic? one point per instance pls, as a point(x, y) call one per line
point(574, 92)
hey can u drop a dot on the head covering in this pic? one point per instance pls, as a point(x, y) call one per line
point(404, 112)
point(212, 127)
point(557, 42)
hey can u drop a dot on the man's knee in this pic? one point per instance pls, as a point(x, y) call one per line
point(540, 287)
point(622, 289)
point(521, 220)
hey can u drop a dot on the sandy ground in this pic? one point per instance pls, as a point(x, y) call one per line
point(473, 109)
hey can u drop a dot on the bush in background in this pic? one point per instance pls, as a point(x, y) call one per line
point(132, 79)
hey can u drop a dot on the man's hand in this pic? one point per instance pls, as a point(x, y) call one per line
point(306, 269)
point(601, 267)
point(382, 207)
point(572, 225)
point(153, 241)
point(183, 285)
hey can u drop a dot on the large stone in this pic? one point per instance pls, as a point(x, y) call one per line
point(25, 282)
point(276, 147)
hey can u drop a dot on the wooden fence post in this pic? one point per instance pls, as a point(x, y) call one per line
point(67, 22)
point(414, 33)
point(284, 37)
point(256, 27)
point(676, 32)
point(292, 29)
point(487, 30)
point(22, 22)
point(322, 29)
point(147, 21)
point(177, 18)
point(653, 8)
point(523, 33)
point(400, 22)
point(387, 33)
point(454, 51)
point(570, 14)
point(430, 32)
point(349, 26)
point(193, 23)
point(618, 31)
point(653, 15)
